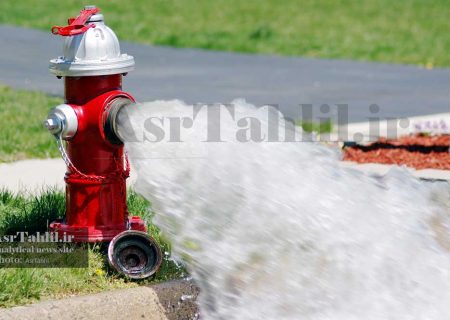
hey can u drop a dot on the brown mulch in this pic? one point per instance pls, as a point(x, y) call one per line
point(416, 151)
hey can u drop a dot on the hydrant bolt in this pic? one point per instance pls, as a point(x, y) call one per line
point(53, 125)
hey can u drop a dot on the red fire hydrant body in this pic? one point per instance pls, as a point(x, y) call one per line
point(92, 67)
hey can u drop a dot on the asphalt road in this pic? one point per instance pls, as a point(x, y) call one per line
point(207, 76)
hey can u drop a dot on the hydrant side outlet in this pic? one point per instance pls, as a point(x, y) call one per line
point(97, 168)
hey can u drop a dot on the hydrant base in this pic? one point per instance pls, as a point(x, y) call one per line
point(95, 234)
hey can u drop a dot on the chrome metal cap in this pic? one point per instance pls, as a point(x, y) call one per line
point(92, 53)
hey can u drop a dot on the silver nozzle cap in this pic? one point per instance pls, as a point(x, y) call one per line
point(62, 121)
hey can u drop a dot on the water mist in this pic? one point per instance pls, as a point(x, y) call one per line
point(278, 230)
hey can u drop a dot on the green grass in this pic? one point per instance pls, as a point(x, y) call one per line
point(404, 31)
point(22, 134)
point(21, 286)
point(317, 127)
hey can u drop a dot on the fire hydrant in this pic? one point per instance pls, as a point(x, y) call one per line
point(97, 168)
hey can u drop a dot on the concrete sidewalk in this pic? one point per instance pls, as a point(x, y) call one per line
point(34, 175)
point(173, 300)
point(393, 128)
point(206, 76)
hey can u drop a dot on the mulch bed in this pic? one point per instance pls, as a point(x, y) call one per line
point(418, 151)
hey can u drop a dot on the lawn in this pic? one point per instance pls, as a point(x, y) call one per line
point(403, 31)
point(32, 214)
point(22, 134)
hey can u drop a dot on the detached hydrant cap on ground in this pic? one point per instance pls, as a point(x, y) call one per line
point(134, 254)
point(90, 49)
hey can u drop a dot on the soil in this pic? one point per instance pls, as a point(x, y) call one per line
point(417, 151)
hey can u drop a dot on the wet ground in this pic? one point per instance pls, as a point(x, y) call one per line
point(178, 299)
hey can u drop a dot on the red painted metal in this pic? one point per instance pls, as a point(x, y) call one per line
point(76, 25)
point(80, 90)
point(96, 208)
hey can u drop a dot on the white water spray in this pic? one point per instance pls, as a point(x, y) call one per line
point(278, 230)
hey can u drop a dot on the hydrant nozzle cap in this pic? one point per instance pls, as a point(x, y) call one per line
point(91, 52)
point(62, 120)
